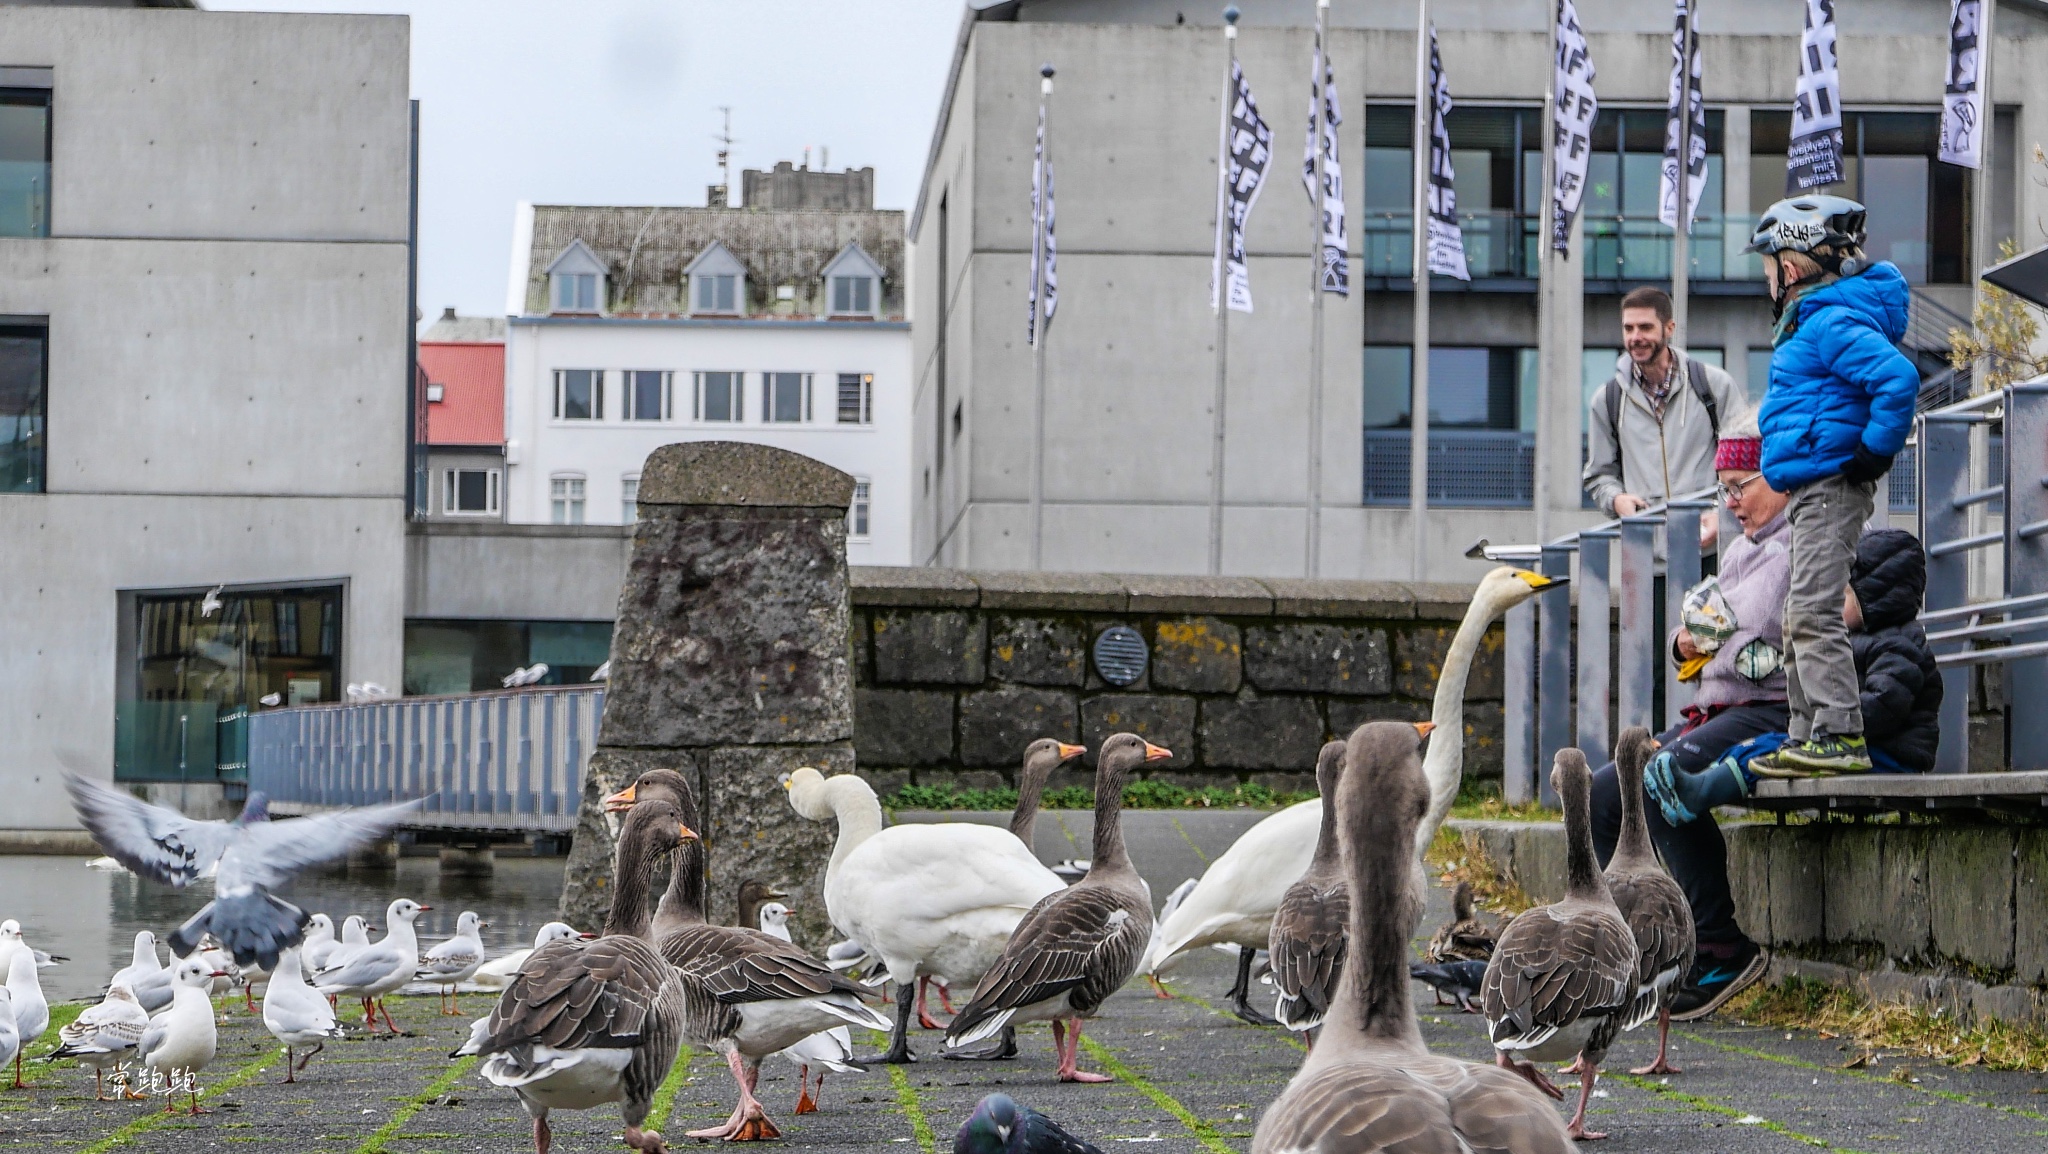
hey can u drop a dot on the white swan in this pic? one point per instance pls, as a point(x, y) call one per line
point(1238, 894)
point(935, 899)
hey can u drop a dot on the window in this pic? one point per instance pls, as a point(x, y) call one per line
point(718, 397)
point(565, 493)
point(579, 394)
point(24, 406)
point(24, 161)
point(458, 656)
point(1624, 239)
point(853, 295)
point(576, 292)
point(1497, 173)
point(629, 499)
point(467, 492)
point(1918, 208)
point(716, 293)
point(856, 398)
point(1759, 374)
point(785, 397)
point(1481, 417)
point(857, 516)
point(647, 395)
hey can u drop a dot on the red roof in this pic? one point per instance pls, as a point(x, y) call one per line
point(471, 410)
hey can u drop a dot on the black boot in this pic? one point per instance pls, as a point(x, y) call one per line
point(1241, 992)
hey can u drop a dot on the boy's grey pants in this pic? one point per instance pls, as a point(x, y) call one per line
point(1827, 518)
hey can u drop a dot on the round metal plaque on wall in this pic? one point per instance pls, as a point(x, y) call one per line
point(1120, 655)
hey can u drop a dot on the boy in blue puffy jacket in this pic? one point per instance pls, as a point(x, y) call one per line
point(1838, 409)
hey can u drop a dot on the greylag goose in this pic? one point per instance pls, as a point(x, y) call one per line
point(1650, 902)
point(296, 1015)
point(746, 994)
point(1370, 1085)
point(31, 1008)
point(1307, 942)
point(754, 895)
point(181, 1041)
point(449, 964)
point(585, 1023)
point(936, 899)
point(1235, 901)
point(1041, 758)
point(103, 1037)
point(1465, 938)
point(1563, 976)
point(1079, 944)
point(248, 857)
point(831, 1050)
point(379, 968)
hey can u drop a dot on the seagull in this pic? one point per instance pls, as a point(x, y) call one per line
point(378, 968)
point(830, 1049)
point(271, 699)
point(104, 1036)
point(10, 1038)
point(602, 672)
point(181, 1041)
point(247, 858)
point(454, 961)
point(498, 973)
point(31, 1009)
point(319, 943)
point(145, 976)
point(296, 1014)
point(210, 604)
point(11, 940)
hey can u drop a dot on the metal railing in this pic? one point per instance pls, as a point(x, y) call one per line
point(1470, 468)
point(1564, 688)
point(509, 761)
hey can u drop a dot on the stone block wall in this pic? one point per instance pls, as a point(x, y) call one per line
point(956, 671)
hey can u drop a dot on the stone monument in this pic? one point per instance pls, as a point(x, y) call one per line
point(729, 664)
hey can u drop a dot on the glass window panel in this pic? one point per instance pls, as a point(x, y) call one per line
point(1759, 374)
point(782, 397)
point(1596, 368)
point(566, 500)
point(857, 517)
point(24, 164)
point(855, 404)
point(24, 408)
point(1458, 386)
point(1709, 355)
point(863, 290)
point(721, 396)
point(1386, 386)
point(586, 291)
point(471, 491)
point(581, 395)
point(726, 293)
point(1896, 195)
point(647, 395)
point(1528, 378)
point(629, 499)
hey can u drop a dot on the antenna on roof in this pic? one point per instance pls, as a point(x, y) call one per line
point(725, 141)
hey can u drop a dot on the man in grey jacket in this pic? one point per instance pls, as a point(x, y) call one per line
point(1652, 427)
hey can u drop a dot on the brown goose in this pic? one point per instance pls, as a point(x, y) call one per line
point(1465, 938)
point(1370, 1085)
point(1650, 902)
point(752, 896)
point(1041, 757)
point(746, 994)
point(585, 1023)
point(1079, 945)
point(1563, 977)
point(1307, 941)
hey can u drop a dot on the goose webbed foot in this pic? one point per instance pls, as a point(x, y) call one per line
point(1663, 1063)
point(1588, 1073)
point(645, 1141)
point(1001, 1051)
point(1529, 1071)
point(1066, 1038)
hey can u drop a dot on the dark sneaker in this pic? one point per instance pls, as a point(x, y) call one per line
point(1823, 756)
point(1715, 980)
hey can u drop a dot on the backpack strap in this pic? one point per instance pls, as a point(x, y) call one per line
point(1696, 376)
point(1612, 399)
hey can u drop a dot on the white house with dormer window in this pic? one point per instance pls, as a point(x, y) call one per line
point(631, 328)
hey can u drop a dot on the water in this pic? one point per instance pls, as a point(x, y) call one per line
point(92, 916)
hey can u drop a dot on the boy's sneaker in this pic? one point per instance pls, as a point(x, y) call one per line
point(1714, 980)
point(1823, 756)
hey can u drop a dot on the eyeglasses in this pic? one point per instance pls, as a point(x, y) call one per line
point(1733, 493)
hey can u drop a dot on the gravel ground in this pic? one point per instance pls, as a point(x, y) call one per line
point(1190, 1079)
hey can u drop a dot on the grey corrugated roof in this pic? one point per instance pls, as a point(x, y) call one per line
point(466, 330)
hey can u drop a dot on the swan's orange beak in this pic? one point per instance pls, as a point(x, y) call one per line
point(1156, 753)
point(687, 834)
point(1425, 728)
point(622, 800)
point(1070, 752)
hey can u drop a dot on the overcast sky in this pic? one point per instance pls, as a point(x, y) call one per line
point(616, 102)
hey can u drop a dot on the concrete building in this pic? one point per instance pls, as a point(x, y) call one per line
point(462, 360)
point(780, 323)
point(204, 251)
point(1131, 355)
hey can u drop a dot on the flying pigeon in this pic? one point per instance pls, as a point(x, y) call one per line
point(247, 858)
point(1001, 1125)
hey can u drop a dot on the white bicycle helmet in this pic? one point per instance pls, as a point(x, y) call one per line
point(1805, 223)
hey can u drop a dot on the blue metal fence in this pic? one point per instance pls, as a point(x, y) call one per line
point(509, 761)
point(1472, 468)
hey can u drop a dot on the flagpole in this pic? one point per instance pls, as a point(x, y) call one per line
point(1546, 296)
point(1418, 393)
point(1980, 180)
point(1312, 562)
point(1681, 241)
point(1222, 292)
point(1044, 317)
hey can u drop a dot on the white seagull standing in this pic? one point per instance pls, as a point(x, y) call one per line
point(830, 1049)
point(104, 1036)
point(378, 968)
point(296, 1014)
point(31, 1010)
point(498, 973)
point(11, 940)
point(181, 1041)
point(455, 961)
point(248, 857)
point(145, 976)
point(318, 944)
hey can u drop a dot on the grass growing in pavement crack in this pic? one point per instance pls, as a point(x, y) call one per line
point(1713, 1107)
point(375, 1142)
point(1799, 1003)
point(1866, 1075)
point(1203, 1132)
point(665, 1094)
point(157, 1118)
point(906, 1097)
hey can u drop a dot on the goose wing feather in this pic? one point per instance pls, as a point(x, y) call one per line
point(1554, 966)
point(735, 965)
point(572, 995)
point(1082, 942)
point(1307, 945)
point(1660, 919)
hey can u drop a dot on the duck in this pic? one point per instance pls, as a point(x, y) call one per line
point(145, 975)
point(1079, 944)
point(319, 943)
point(450, 963)
point(31, 1009)
point(1002, 1125)
point(1465, 938)
point(378, 968)
point(1240, 891)
point(1370, 1084)
point(746, 994)
point(1461, 980)
point(296, 1015)
point(1650, 902)
point(182, 1040)
point(831, 1050)
point(585, 1022)
point(11, 940)
point(1307, 940)
point(497, 973)
point(937, 899)
point(104, 1036)
point(1562, 979)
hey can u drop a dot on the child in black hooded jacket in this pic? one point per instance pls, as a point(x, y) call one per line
point(1901, 687)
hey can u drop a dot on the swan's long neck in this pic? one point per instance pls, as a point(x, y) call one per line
point(1445, 765)
point(860, 817)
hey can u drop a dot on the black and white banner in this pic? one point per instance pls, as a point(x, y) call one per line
point(1446, 239)
point(1571, 143)
point(1684, 99)
point(1815, 157)
point(1247, 149)
point(1962, 101)
point(1044, 252)
point(1336, 245)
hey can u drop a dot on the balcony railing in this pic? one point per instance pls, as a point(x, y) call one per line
point(1474, 468)
point(1506, 244)
point(1497, 243)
